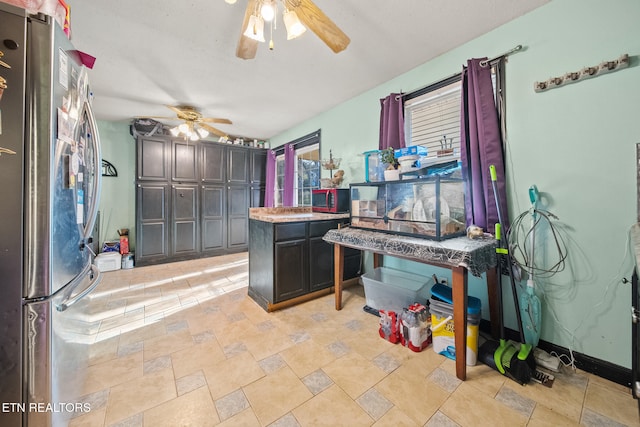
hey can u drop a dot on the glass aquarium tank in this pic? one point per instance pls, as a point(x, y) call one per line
point(431, 207)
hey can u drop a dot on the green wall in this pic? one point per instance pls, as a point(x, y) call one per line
point(576, 143)
point(117, 202)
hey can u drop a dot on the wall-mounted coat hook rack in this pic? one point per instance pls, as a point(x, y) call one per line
point(586, 73)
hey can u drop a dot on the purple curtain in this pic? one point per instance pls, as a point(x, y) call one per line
point(289, 174)
point(391, 122)
point(270, 184)
point(481, 146)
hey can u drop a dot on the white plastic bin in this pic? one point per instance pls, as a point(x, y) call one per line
point(108, 261)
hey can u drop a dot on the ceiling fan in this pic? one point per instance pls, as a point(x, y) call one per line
point(194, 126)
point(297, 15)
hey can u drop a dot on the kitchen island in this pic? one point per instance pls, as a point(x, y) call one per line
point(289, 262)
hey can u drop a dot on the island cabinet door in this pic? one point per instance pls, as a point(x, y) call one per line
point(320, 264)
point(291, 269)
point(320, 255)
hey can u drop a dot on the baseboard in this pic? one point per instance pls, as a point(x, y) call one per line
point(599, 367)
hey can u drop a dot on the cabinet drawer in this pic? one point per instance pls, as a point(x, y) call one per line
point(320, 228)
point(296, 230)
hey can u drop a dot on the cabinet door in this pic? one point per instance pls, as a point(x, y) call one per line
point(320, 264)
point(237, 216)
point(258, 167)
point(291, 276)
point(237, 165)
point(185, 219)
point(153, 163)
point(213, 230)
point(213, 163)
point(258, 177)
point(257, 196)
point(184, 161)
point(152, 226)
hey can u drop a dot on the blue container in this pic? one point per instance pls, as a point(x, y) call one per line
point(373, 166)
point(443, 293)
point(414, 150)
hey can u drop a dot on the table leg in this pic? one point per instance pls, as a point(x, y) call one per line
point(494, 309)
point(459, 284)
point(377, 260)
point(338, 270)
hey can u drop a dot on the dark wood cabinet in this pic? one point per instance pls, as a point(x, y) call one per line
point(184, 212)
point(238, 216)
point(213, 163)
point(289, 260)
point(153, 159)
point(237, 165)
point(152, 212)
point(184, 161)
point(193, 198)
point(213, 219)
point(290, 272)
point(257, 177)
point(321, 269)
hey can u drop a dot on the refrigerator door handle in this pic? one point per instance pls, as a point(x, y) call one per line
point(97, 159)
point(95, 281)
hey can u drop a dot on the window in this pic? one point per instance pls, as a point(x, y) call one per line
point(307, 169)
point(432, 116)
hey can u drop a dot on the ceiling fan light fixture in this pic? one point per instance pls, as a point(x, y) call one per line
point(175, 131)
point(202, 132)
point(293, 24)
point(268, 10)
point(255, 29)
point(230, 1)
point(184, 128)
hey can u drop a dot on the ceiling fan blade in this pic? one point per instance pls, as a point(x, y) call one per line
point(174, 109)
point(247, 47)
point(314, 19)
point(212, 129)
point(214, 120)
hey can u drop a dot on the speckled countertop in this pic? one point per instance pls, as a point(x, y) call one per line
point(291, 215)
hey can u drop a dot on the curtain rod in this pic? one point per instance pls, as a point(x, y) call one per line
point(482, 63)
point(496, 58)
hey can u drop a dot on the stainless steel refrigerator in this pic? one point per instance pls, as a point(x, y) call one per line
point(50, 171)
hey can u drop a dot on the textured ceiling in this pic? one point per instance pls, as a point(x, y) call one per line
point(151, 53)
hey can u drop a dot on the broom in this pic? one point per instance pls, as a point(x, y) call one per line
point(517, 363)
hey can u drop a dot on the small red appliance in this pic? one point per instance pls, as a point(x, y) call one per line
point(330, 200)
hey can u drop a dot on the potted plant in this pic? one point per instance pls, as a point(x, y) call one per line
point(392, 173)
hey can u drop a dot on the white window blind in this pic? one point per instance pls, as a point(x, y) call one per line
point(432, 116)
point(432, 120)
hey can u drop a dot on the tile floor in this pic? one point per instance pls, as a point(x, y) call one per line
point(181, 344)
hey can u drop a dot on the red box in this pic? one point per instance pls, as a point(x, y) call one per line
point(124, 240)
point(124, 245)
